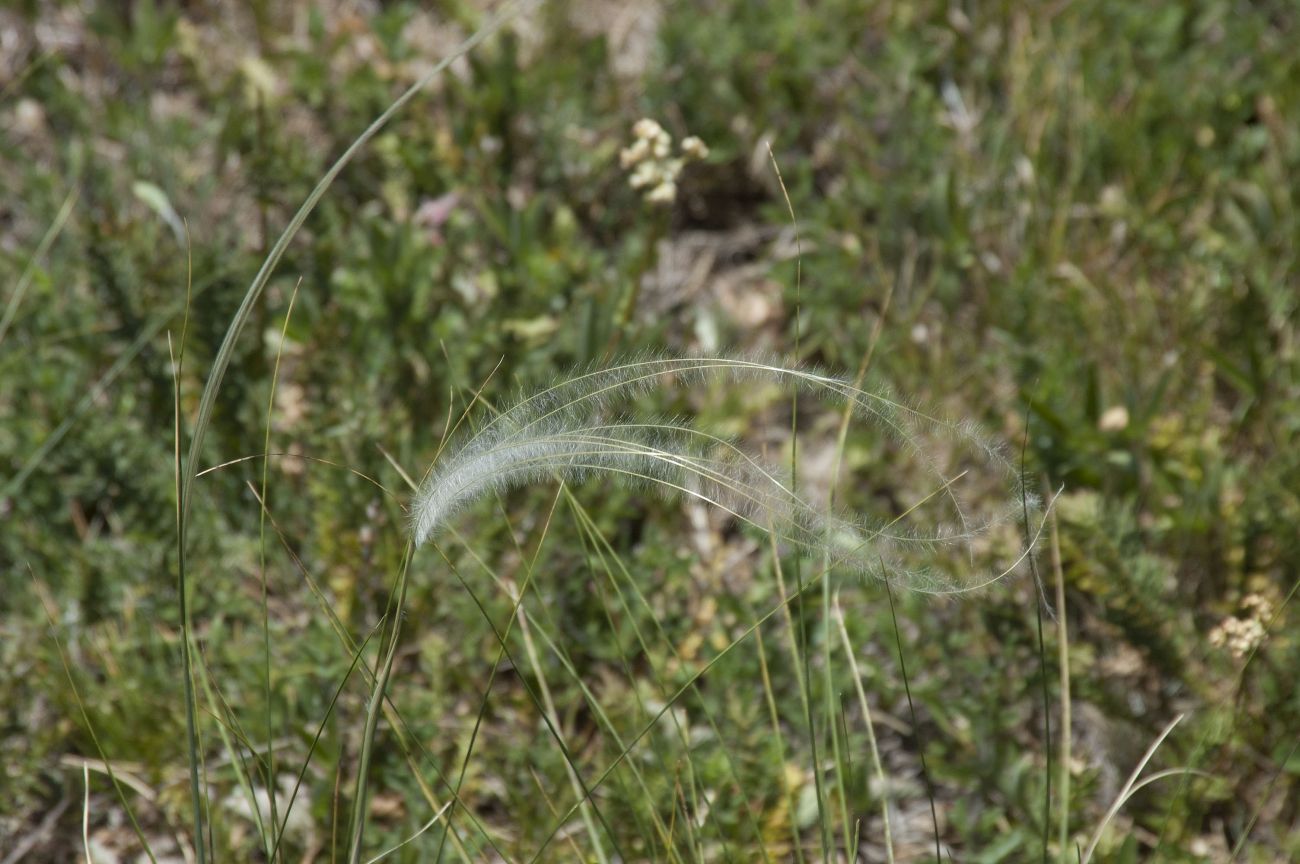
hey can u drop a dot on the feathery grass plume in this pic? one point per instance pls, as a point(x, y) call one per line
point(571, 431)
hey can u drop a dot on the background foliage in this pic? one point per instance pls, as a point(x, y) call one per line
point(1079, 216)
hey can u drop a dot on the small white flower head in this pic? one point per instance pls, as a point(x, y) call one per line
point(1259, 607)
point(1114, 419)
point(694, 148)
point(1239, 635)
point(664, 193)
point(646, 174)
point(647, 130)
point(1242, 635)
point(634, 153)
point(650, 162)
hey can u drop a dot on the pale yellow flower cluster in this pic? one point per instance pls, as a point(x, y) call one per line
point(1243, 635)
point(650, 159)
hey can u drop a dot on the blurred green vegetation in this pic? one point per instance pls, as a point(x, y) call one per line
point(1085, 216)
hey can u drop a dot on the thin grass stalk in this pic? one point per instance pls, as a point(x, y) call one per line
point(681, 691)
point(841, 440)
point(218, 707)
point(1281, 769)
point(592, 547)
point(1040, 602)
point(186, 474)
point(794, 488)
point(829, 692)
point(334, 803)
point(416, 836)
point(853, 839)
point(1128, 788)
point(555, 648)
point(677, 695)
point(838, 752)
point(517, 600)
point(598, 439)
point(42, 248)
point(1063, 659)
point(660, 829)
point(555, 811)
point(589, 529)
point(320, 730)
point(478, 720)
point(593, 531)
point(691, 681)
point(530, 651)
point(568, 666)
point(405, 737)
point(375, 708)
point(1047, 727)
point(182, 583)
point(916, 727)
point(792, 801)
point(273, 841)
point(222, 359)
point(876, 766)
point(586, 790)
point(797, 660)
point(502, 652)
point(47, 605)
point(603, 548)
point(85, 814)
